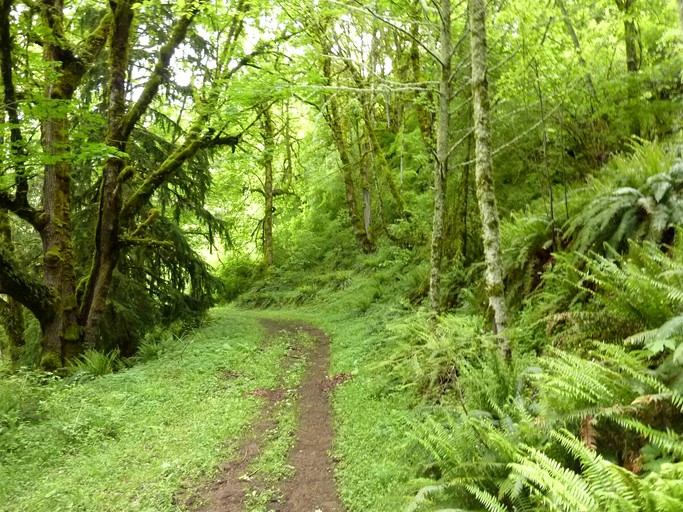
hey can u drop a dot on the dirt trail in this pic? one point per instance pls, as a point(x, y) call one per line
point(311, 488)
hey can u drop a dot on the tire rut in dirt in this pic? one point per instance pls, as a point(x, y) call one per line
point(311, 488)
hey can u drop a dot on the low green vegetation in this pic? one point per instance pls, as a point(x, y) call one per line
point(135, 439)
point(587, 413)
point(480, 202)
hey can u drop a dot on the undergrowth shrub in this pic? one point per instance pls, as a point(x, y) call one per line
point(429, 353)
point(94, 363)
point(238, 274)
point(576, 435)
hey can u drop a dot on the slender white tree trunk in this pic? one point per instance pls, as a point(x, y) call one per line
point(484, 174)
point(441, 164)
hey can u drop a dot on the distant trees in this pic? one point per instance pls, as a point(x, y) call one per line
point(115, 119)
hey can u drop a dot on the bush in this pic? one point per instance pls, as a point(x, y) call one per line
point(95, 364)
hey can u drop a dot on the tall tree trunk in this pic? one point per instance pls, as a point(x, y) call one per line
point(631, 36)
point(288, 164)
point(61, 335)
point(381, 158)
point(424, 116)
point(268, 152)
point(120, 124)
point(107, 244)
point(680, 15)
point(484, 174)
point(631, 44)
point(464, 206)
point(366, 173)
point(364, 243)
point(54, 302)
point(333, 117)
point(442, 152)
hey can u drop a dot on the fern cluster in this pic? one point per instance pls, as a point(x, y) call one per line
point(588, 415)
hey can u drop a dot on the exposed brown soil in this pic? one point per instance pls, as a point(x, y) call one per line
point(311, 489)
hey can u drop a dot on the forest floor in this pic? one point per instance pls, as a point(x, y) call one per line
point(256, 411)
point(311, 486)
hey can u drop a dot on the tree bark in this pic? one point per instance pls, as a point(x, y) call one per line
point(381, 158)
point(53, 302)
point(11, 313)
point(366, 174)
point(62, 334)
point(334, 120)
point(362, 239)
point(268, 153)
point(484, 174)
point(424, 116)
point(107, 245)
point(441, 163)
point(120, 124)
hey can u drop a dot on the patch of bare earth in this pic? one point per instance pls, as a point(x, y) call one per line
point(311, 488)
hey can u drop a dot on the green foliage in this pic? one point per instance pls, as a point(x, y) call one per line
point(429, 352)
point(238, 274)
point(646, 206)
point(133, 439)
point(95, 364)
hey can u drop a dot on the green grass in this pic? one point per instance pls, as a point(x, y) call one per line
point(132, 440)
point(271, 467)
point(375, 470)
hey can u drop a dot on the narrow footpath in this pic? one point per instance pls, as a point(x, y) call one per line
point(311, 486)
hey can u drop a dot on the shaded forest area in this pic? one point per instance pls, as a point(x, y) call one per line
point(492, 189)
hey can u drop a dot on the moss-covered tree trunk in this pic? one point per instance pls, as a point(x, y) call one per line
point(113, 212)
point(362, 239)
point(62, 335)
point(484, 173)
point(366, 180)
point(334, 120)
point(107, 243)
point(380, 156)
point(442, 152)
point(268, 154)
point(631, 36)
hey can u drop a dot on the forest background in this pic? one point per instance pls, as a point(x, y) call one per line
point(494, 186)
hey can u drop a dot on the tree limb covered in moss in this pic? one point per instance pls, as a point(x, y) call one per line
point(22, 287)
point(161, 69)
point(22, 209)
point(76, 61)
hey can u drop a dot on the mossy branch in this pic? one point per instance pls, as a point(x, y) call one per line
point(20, 207)
point(24, 288)
point(76, 61)
point(161, 72)
point(151, 218)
